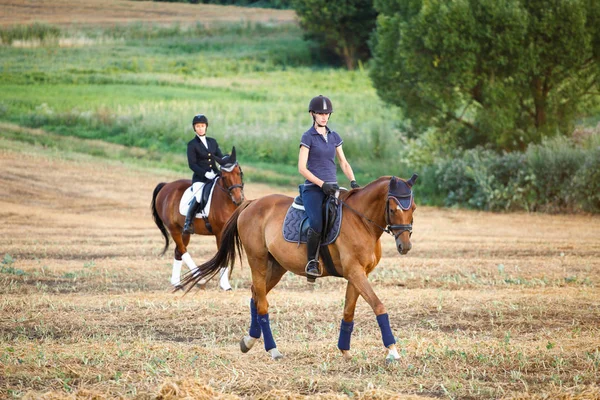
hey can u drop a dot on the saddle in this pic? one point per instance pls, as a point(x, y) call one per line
point(295, 227)
point(206, 191)
point(295, 224)
point(205, 201)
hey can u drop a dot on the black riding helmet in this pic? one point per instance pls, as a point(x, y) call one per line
point(320, 105)
point(200, 119)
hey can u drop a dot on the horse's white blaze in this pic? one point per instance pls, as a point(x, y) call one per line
point(176, 275)
point(224, 280)
point(249, 341)
point(187, 259)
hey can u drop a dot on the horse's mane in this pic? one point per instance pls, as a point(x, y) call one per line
point(347, 195)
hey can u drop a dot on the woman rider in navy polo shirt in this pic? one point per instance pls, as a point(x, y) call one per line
point(316, 162)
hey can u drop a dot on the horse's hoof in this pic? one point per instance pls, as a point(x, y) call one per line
point(346, 354)
point(390, 360)
point(177, 288)
point(275, 354)
point(393, 355)
point(247, 343)
point(243, 346)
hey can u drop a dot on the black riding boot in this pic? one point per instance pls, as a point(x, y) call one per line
point(312, 252)
point(189, 219)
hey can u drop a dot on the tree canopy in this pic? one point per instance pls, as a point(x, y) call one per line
point(505, 72)
point(343, 27)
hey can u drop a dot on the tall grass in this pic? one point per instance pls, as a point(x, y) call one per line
point(254, 81)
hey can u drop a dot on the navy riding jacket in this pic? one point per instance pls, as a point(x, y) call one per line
point(201, 159)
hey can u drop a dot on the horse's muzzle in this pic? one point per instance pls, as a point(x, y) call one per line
point(403, 248)
point(237, 203)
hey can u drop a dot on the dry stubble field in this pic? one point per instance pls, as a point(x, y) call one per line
point(484, 306)
point(110, 12)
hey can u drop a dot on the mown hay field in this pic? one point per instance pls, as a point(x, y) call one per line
point(110, 12)
point(484, 306)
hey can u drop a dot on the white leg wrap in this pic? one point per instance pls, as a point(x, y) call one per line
point(275, 354)
point(187, 259)
point(224, 281)
point(176, 275)
point(249, 341)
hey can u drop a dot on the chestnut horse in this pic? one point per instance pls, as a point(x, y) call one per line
point(228, 193)
point(384, 205)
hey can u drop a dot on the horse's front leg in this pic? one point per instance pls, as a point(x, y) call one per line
point(347, 324)
point(358, 279)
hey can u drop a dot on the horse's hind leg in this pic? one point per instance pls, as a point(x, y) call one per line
point(181, 256)
point(224, 274)
point(263, 280)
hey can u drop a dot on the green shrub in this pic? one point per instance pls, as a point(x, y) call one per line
point(587, 182)
point(555, 163)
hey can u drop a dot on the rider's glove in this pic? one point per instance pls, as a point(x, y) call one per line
point(329, 188)
point(210, 175)
point(354, 185)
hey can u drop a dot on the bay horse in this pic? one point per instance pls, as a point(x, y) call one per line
point(384, 205)
point(228, 194)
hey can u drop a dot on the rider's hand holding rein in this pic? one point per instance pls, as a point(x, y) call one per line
point(210, 175)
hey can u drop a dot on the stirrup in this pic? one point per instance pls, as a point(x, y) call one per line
point(189, 228)
point(312, 275)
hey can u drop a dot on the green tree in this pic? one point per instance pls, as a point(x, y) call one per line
point(343, 27)
point(505, 72)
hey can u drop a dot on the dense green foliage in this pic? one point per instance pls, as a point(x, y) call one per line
point(555, 176)
point(341, 27)
point(488, 72)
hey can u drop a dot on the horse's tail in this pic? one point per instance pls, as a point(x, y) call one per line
point(230, 241)
point(156, 217)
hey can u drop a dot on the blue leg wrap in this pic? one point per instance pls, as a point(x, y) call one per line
point(386, 332)
point(345, 334)
point(263, 320)
point(254, 326)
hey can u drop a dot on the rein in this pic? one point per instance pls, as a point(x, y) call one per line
point(389, 228)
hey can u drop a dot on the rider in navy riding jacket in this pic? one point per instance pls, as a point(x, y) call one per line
point(201, 152)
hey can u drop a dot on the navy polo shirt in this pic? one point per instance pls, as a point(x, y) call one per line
point(321, 154)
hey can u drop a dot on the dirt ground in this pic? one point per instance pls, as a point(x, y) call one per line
point(484, 306)
point(109, 12)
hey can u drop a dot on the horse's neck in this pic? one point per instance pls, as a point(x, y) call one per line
point(370, 201)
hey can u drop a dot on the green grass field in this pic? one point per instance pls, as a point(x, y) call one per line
point(139, 85)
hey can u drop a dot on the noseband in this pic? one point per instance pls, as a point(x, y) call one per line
point(399, 228)
point(229, 189)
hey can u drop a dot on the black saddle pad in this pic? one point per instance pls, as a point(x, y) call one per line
point(295, 226)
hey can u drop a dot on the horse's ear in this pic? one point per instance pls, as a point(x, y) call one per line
point(412, 180)
point(393, 184)
point(232, 158)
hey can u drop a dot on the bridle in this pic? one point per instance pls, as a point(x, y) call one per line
point(397, 229)
point(229, 189)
